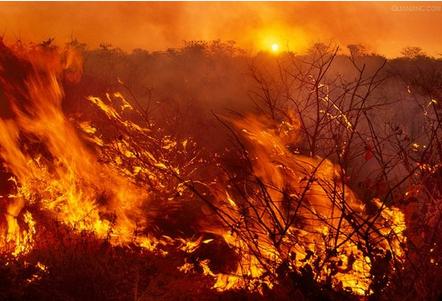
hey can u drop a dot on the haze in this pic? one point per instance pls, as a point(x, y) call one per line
point(254, 26)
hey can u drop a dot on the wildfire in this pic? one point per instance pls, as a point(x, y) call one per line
point(299, 222)
point(297, 215)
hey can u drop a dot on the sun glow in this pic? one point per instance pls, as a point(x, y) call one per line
point(275, 47)
point(276, 39)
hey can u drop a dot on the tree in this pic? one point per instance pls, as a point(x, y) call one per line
point(357, 50)
point(412, 52)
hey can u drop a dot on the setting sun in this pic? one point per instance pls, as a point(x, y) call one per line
point(275, 47)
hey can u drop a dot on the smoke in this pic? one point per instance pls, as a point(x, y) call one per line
point(157, 26)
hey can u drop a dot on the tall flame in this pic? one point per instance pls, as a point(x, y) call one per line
point(63, 176)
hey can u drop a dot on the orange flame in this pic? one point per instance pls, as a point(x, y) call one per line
point(300, 219)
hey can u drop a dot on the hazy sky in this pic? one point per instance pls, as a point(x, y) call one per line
point(386, 27)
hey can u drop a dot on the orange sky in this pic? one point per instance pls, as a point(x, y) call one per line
point(254, 25)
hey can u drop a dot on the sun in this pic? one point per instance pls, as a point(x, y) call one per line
point(275, 47)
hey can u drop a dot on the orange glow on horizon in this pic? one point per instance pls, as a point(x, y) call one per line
point(294, 26)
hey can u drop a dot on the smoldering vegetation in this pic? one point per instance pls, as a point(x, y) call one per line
point(205, 77)
point(331, 161)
